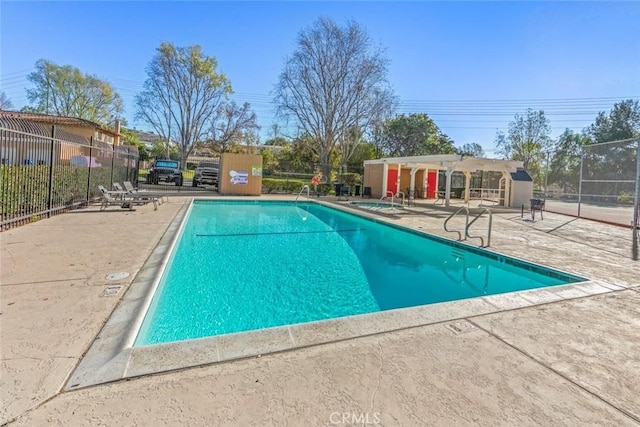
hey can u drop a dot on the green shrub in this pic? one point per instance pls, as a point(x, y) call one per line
point(25, 188)
point(287, 185)
point(625, 198)
point(350, 179)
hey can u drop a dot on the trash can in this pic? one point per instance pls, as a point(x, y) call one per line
point(366, 192)
point(357, 190)
point(337, 188)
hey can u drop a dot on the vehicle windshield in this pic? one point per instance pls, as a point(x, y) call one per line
point(167, 164)
point(208, 165)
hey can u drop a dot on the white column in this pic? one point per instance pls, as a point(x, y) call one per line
point(385, 172)
point(447, 190)
point(507, 189)
point(467, 185)
point(412, 185)
point(398, 178)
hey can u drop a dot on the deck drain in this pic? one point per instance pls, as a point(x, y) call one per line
point(460, 327)
point(112, 291)
point(117, 276)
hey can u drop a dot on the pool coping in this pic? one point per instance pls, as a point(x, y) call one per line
point(112, 356)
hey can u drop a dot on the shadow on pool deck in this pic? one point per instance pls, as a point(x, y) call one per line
point(571, 362)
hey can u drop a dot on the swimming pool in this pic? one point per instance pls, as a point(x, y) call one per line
point(248, 265)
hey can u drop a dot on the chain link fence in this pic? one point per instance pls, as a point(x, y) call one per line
point(596, 181)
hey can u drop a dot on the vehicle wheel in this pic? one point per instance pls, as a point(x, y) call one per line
point(194, 183)
point(155, 181)
point(179, 182)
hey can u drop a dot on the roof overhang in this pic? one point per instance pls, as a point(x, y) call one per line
point(454, 162)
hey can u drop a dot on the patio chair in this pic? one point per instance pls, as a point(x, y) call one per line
point(134, 191)
point(412, 197)
point(537, 205)
point(125, 201)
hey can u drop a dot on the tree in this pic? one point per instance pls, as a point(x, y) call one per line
point(364, 151)
point(614, 162)
point(182, 94)
point(527, 140)
point(564, 164)
point(334, 81)
point(66, 91)
point(232, 125)
point(413, 135)
point(622, 122)
point(473, 149)
point(299, 156)
point(130, 137)
point(348, 144)
point(5, 102)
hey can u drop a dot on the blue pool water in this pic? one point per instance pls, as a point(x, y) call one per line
point(249, 265)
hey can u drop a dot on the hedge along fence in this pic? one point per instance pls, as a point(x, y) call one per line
point(41, 176)
point(283, 185)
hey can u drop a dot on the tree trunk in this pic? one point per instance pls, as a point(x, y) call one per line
point(325, 167)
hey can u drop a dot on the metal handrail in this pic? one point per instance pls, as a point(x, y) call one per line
point(466, 231)
point(385, 196)
point(303, 187)
point(463, 208)
point(402, 194)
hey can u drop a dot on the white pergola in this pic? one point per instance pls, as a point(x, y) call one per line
point(450, 163)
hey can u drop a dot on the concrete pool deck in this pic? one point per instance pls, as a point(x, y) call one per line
point(565, 361)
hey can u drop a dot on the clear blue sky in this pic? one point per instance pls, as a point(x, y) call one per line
point(447, 59)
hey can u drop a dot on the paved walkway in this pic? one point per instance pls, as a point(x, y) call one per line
point(571, 362)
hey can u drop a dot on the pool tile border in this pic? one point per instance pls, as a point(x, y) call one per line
point(113, 357)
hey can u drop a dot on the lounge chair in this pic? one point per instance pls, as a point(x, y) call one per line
point(124, 199)
point(134, 191)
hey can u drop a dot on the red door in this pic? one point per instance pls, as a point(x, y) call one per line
point(432, 177)
point(392, 181)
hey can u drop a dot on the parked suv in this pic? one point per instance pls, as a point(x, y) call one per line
point(206, 173)
point(165, 171)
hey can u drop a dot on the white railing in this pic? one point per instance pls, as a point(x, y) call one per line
point(303, 188)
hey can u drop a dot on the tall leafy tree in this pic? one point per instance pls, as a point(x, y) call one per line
point(564, 164)
point(613, 162)
point(182, 95)
point(472, 149)
point(413, 135)
point(66, 91)
point(334, 81)
point(527, 140)
point(5, 102)
point(622, 122)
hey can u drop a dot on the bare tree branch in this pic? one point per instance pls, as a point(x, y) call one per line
point(334, 83)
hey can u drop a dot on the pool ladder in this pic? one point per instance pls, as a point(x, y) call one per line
point(385, 196)
point(303, 188)
point(468, 225)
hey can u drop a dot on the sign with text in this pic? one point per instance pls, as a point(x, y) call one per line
point(239, 177)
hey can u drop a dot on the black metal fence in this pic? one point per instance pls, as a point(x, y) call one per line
point(45, 170)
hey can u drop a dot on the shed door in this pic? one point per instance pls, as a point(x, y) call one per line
point(432, 178)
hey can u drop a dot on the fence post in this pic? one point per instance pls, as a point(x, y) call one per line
point(113, 159)
point(580, 182)
point(128, 160)
point(89, 174)
point(636, 206)
point(53, 143)
point(546, 174)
